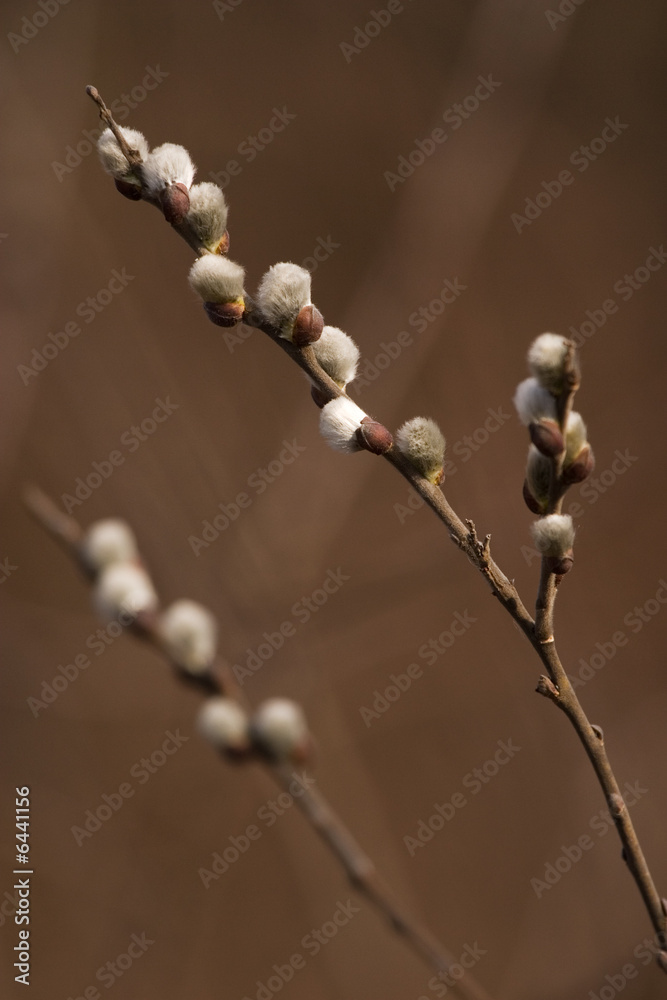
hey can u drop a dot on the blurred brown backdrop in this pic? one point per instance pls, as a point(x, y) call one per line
point(320, 183)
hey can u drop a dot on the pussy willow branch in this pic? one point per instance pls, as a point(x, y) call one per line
point(556, 685)
point(220, 680)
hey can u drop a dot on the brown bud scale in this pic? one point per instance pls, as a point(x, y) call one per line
point(531, 502)
point(175, 201)
point(581, 468)
point(547, 438)
point(128, 190)
point(308, 326)
point(560, 565)
point(319, 398)
point(224, 313)
point(374, 437)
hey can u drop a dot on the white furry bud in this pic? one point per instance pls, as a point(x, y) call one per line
point(280, 729)
point(207, 214)
point(546, 360)
point(224, 723)
point(339, 421)
point(168, 164)
point(283, 292)
point(217, 279)
point(124, 587)
point(533, 402)
point(112, 158)
point(422, 442)
point(337, 354)
point(575, 436)
point(553, 535)
point(109, 541)
point(538, 478)
point(189, 633)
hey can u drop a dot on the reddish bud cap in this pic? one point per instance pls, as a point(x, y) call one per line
point(374, 437)
point(581, 468)
point(560, 565)
point(319, 398)
point(531, 502)
point(128, 190)
point(175, 201)
point(224, 313)
point(223, 246)
point(308, 326)
point(547, 438)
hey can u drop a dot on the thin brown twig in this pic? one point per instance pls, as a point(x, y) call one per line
point(220, 680)
point(539, 633)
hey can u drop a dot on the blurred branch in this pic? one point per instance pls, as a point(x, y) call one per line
point(220, 680)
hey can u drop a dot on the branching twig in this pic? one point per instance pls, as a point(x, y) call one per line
point(539, 632)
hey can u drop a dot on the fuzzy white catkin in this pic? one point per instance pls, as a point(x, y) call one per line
point(546, 360)
point(111, 156)
point(109, 541)
point(421, 441)
point(575, 436)
point(279, 726)
point(168, 164)
point(124, 587)
point(283, 292)
point(339, 421)
point(224, 723)
point(533, 402)
point(208, 213)
point(190, 633)
point(538, 473)
point(217, 279)
point(553, 535)
point(337, 354)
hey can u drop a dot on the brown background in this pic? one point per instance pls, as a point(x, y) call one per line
point(323, 178)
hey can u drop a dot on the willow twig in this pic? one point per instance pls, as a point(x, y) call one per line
point(539, 631)
point(319, 813)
